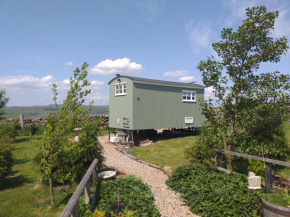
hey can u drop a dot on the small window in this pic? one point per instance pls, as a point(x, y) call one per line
point(120, 89)
point(188, 96)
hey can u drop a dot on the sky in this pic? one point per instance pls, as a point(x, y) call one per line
point(43, 41)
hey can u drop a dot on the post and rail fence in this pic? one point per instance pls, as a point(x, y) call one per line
point(72, 207)
point(268, 170)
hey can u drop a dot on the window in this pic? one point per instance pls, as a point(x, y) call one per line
point(120, 89)
point(188, 96)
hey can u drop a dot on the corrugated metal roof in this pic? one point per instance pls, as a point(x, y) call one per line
point(160, 82)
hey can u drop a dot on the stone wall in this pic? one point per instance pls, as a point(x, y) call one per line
point(104, 120)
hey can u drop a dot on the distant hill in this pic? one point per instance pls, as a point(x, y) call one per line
point(43, 111)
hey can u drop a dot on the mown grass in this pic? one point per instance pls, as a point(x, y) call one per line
point(169, 152)
point(21, 194)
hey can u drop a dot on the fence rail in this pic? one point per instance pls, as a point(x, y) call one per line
point(267, 160)
point(268, 170)
point(72, 207)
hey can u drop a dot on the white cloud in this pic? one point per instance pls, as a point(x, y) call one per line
point(99, 97)
point(151, 8)
point(200, 35)
point(66, 81)
point(68, 63)
point(209, 93)
point(177, 73)
point(96, 83)
point(124, 66)
point(26, 81)
point(187, 79)
point(65, 84)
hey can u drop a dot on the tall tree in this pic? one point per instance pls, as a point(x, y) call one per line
point(252, 105)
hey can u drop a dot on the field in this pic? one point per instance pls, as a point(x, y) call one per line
point(43, 111)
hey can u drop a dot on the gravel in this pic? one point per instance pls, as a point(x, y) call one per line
point(166, 200)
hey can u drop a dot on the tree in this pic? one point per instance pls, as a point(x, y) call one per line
point(253, 105)
point(32, 128)
point(6, 135)
point(3, 101)
point(61, 159)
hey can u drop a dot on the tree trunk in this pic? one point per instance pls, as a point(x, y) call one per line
point(51, 190)
point(229, 157)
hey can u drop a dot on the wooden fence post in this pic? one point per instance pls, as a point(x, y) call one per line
point(21, 119)
point(268, 178)
point(87, 192)
point(75, 212)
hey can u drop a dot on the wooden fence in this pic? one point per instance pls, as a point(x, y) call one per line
point(72, 207)
point(268, 170)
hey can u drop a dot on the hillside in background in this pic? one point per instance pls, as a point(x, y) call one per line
point(43, 111)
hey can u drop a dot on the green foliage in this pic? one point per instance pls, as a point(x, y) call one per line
point(10, 131)
point(134, 196)
point(3, 101)
point(80, 157)
point(278, 197)
point(257, 167)
point(63, 159)
point(23, 187)
point(32, 128)
point(210, 193)
point(252, 105)
point(6, 157)
point(202, 151)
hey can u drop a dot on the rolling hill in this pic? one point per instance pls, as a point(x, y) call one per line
point(43, 111)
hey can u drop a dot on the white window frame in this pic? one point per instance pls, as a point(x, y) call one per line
point(189, 93)
point(122, 85)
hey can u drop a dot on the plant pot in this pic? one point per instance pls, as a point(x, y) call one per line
point(272, 210)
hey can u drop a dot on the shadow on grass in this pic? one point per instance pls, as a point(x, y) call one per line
point(21, 161)
point(13, 182)
point(20, 140)
point(64, 201)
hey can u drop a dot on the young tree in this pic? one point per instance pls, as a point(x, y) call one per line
point(6, 135)
point(3, 101)
point(252, 105)
point(61, 159)
point(32, 129)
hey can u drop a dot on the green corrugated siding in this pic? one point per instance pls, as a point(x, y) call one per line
point(120, 106)
point(162, 107)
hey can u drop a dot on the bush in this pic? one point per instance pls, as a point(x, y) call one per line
point(10, 131)
point(135, 196)
point(32, 128)
point(210, 193)
point(6, 157)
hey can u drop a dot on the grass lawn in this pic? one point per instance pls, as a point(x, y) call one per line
point(165, 153)
point(21, 194)
point(171, 152)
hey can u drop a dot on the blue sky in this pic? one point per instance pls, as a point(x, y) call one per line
point(43, 41)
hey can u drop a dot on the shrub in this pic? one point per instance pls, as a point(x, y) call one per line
point(135, 196)
point(32, 128)
point(210, 193)
point(10, 131)
point(6, 157)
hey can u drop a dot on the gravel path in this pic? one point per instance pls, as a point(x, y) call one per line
point(166, 201)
